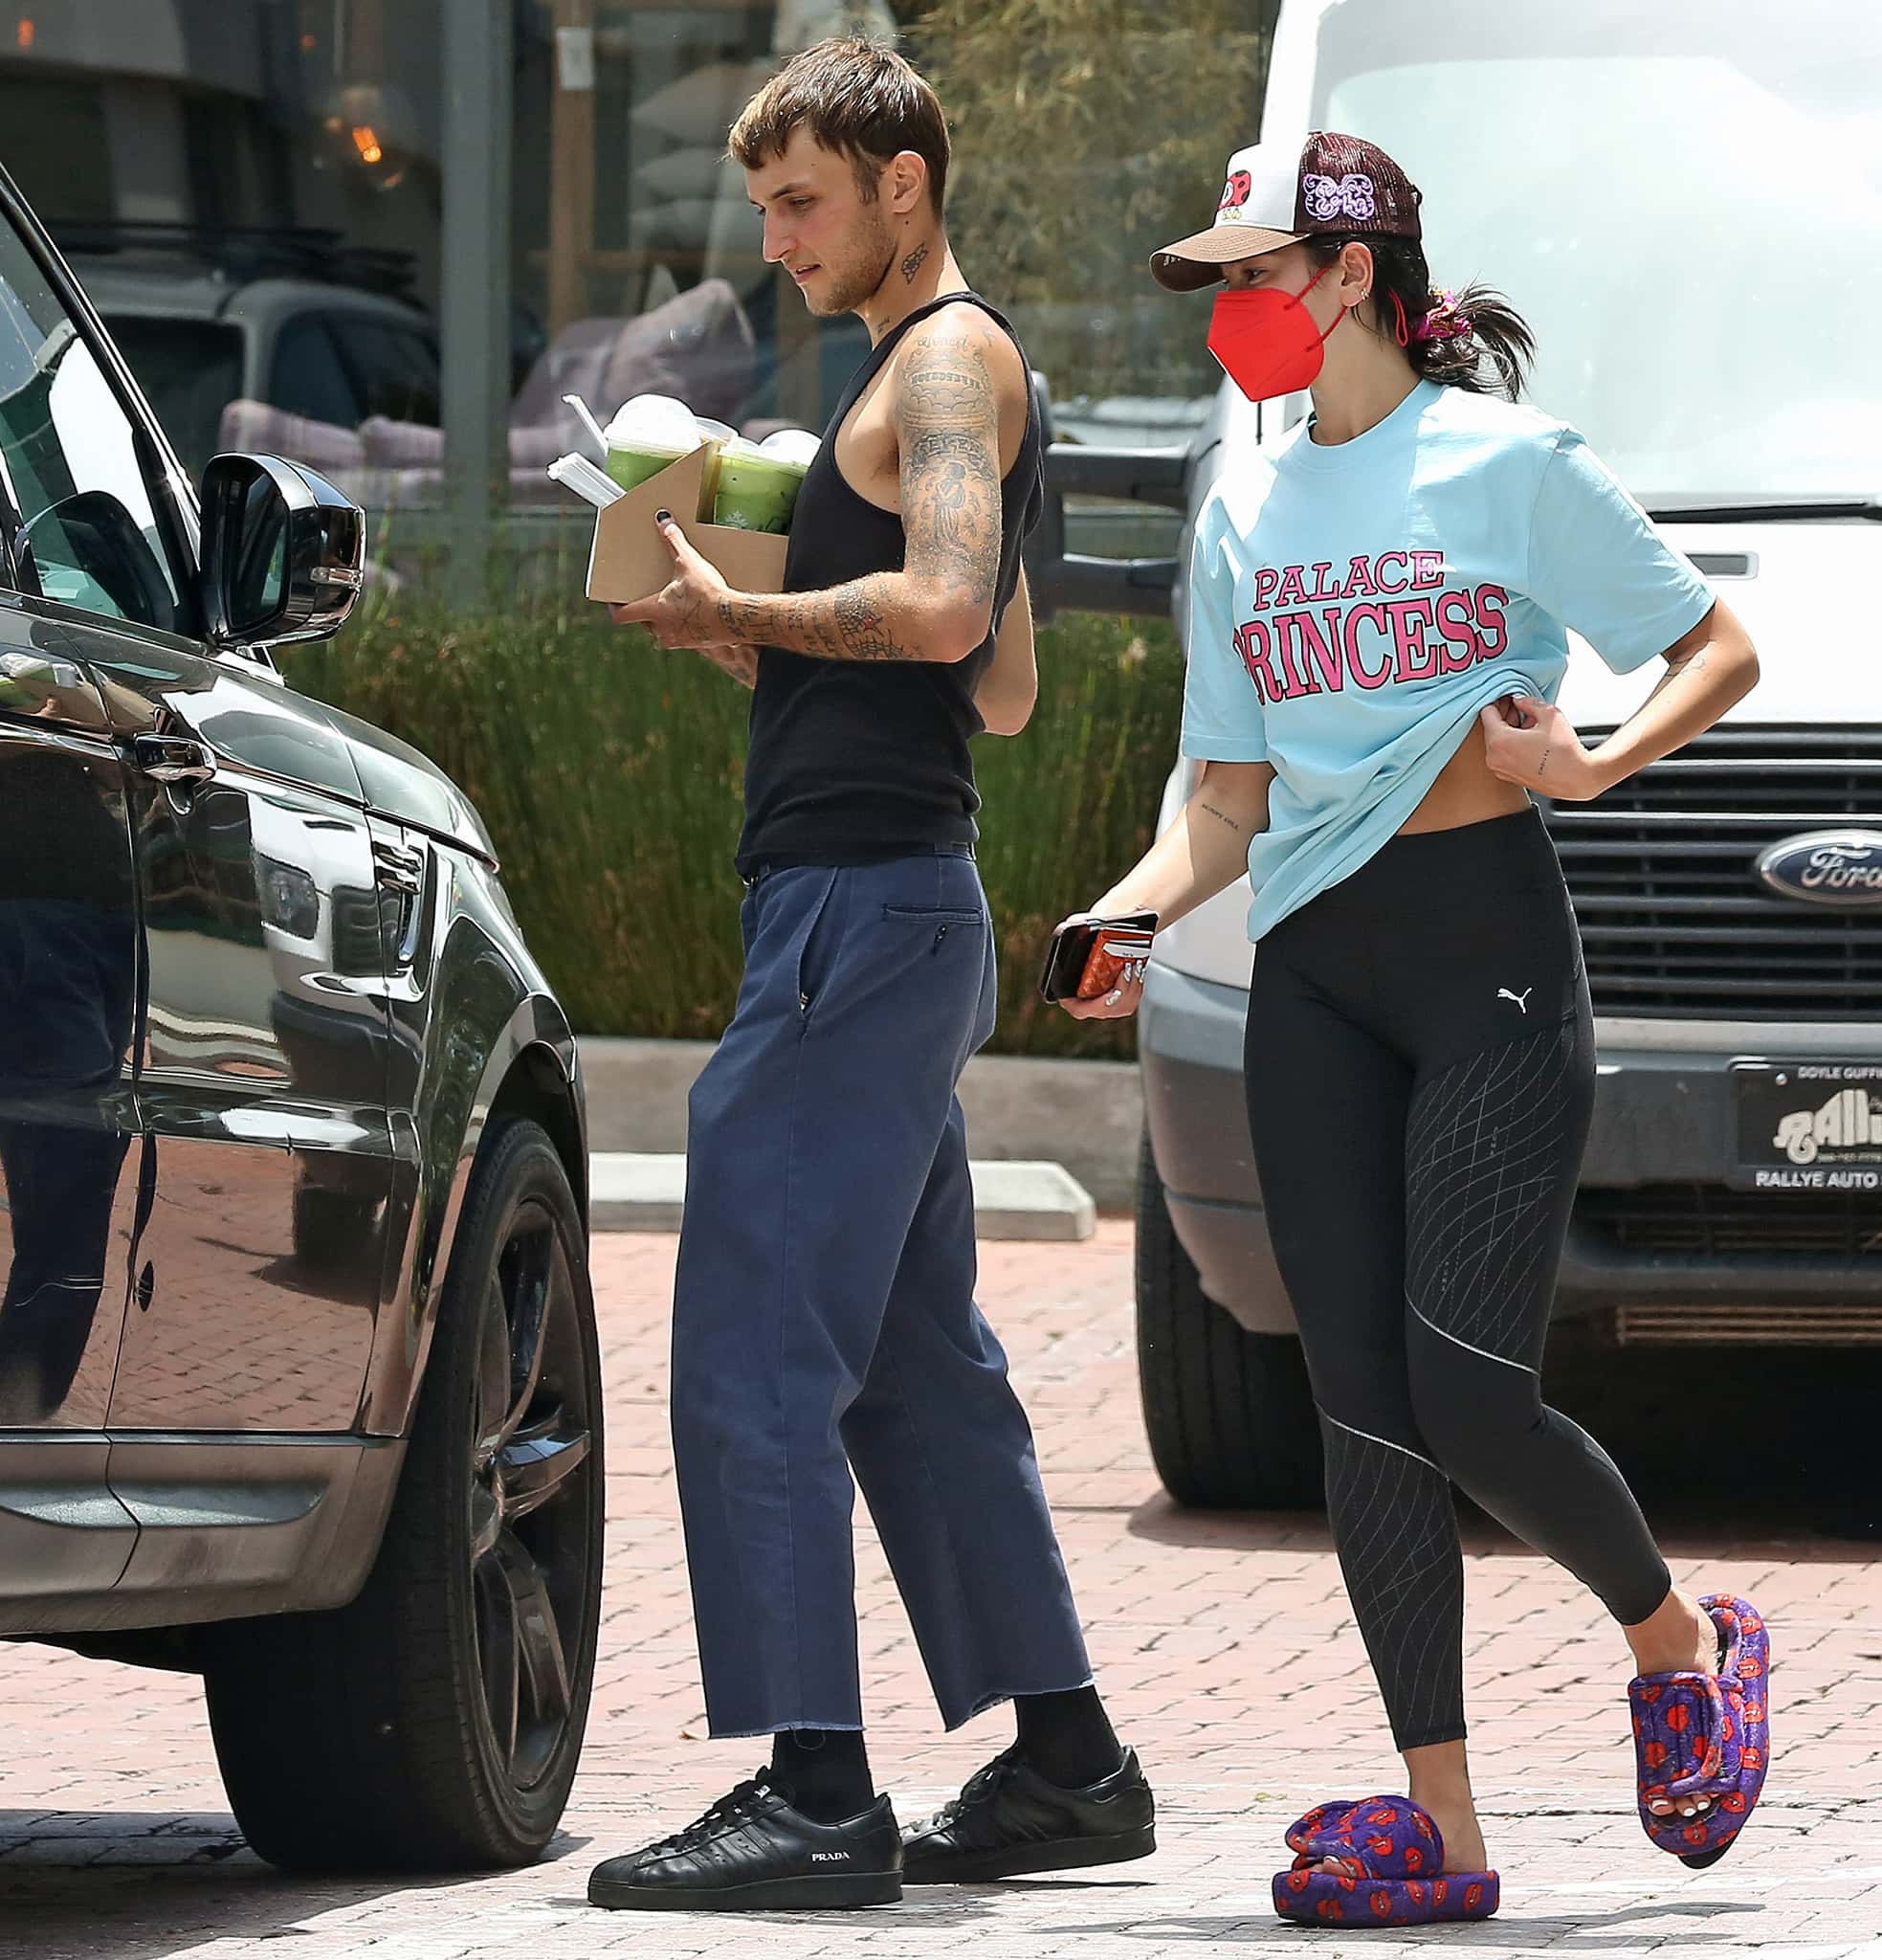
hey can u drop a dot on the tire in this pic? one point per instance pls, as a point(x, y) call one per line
point(1230, 1413)
point(435, 1723)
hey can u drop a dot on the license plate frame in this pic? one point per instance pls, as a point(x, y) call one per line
point(1802, 1126)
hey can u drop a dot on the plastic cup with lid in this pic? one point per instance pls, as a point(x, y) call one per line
point(648, 435)
point(758, 482)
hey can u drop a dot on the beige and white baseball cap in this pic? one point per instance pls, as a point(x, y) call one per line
point(1279, 192)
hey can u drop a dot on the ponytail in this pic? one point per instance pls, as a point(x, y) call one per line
point(1473, 339)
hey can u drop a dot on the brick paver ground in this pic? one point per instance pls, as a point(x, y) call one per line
point(1222, 1642)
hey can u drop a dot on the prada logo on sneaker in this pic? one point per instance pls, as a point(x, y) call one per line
point(829, 1857)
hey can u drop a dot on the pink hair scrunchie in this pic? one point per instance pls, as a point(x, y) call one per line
point(1444, 322)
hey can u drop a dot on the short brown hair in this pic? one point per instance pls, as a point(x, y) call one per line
point(858, 99)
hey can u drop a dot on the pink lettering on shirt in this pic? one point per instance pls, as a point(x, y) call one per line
point(1286, 645)
point(1375, 616)
point(1252, 643)
point(1411, 620)
point(1492, 631)
point(1457, 621)
point(1300, 650)
point(1323, 646)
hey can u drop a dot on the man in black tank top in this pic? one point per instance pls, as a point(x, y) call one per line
point(824, 1318)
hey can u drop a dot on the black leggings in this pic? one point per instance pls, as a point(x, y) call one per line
point(1420, 1074)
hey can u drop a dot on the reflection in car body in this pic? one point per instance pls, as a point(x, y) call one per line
point(293, 1146)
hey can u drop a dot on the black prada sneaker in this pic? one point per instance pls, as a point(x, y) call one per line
point(753, 1852)
point(1009, 1819)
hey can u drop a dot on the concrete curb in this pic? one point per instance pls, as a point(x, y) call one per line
point(1084, 1115)
point(644, 1191)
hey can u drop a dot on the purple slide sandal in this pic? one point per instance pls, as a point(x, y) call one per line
point(1393, 1859)
point(1705, 1735)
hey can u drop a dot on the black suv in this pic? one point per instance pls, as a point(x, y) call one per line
point(298, 1385)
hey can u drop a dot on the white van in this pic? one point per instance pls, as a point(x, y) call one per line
point(1684, 199)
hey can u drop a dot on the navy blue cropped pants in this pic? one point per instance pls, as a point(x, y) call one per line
point(824, 1317)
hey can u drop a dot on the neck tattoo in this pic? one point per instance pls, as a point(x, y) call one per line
point(914, 263)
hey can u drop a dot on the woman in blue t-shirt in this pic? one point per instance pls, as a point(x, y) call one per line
point(1379, 605)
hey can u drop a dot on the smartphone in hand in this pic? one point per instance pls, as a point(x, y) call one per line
point(1087, 959)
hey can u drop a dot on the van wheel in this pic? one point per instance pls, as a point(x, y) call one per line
point(1230, 1413)
point(434, 1724)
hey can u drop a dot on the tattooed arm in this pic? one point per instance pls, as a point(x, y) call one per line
point(1204, 852)
point(953, 379)
point(940, 606)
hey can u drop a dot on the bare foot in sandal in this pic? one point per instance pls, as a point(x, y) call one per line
point(1680, 1637)
point(1440, 1779)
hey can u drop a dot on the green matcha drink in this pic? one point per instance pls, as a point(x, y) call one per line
point(755, 492)
point(631, 463)
point(648, 435)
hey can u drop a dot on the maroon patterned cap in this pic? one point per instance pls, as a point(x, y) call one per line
point(1333, 184)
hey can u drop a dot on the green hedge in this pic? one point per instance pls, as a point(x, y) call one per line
point(609, 773)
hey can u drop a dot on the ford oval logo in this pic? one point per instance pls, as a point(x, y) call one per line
point(1827, 868)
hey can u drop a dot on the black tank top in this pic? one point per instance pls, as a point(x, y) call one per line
point(852, 762)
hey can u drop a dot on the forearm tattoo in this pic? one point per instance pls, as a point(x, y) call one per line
point(948, 429)
point(844, 623)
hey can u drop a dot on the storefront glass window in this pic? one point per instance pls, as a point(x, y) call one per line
point(252, 191)
point(636, 245)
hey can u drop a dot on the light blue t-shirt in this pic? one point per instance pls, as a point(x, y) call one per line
point(1354, 605)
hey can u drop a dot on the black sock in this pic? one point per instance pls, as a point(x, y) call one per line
point(1066, 1737)
point(824, 1773)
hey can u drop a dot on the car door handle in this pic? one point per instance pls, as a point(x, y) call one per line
point(172, 758)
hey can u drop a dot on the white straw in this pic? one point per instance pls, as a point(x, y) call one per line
point(581, 408)
point(578, 474)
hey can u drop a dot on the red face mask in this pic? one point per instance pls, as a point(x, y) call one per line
point(1267, 341)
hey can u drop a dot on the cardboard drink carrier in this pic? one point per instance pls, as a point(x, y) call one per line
point(629, 560)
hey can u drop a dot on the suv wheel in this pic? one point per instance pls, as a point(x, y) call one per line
point(1230, 1413)
point(436, 1720)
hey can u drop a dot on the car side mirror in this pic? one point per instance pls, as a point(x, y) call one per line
point(1064, 580)
point(283, 552)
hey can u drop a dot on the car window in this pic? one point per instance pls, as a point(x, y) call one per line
point(395, 371)
point(88, 535)
point(310, 378)
point(188, 369)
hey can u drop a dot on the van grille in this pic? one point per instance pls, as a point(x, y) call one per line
point(1711, 1221)
point(1706, 1324)
point(1661, 870)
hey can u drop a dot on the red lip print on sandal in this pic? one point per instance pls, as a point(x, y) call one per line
point(1706, 1735)
point(1391, 1859)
